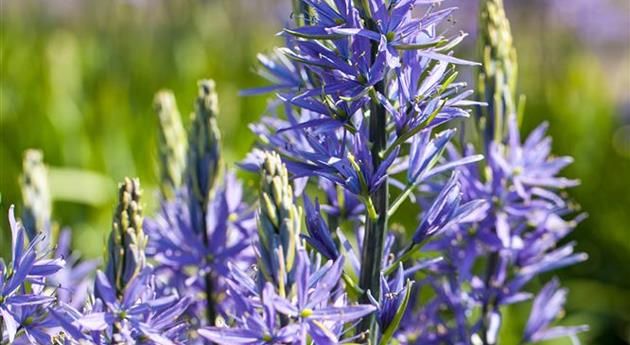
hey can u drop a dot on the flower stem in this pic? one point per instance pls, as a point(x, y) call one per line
point(299, 12)
point(375, 228)
point(210, 310)
point(489, 302)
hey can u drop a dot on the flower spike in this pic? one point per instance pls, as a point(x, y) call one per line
point(127, 241)
point(498, 75)
point(278, 221)
point(35, 195)
point(204, 158)
point(172, 143)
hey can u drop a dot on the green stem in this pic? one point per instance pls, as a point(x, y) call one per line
point(352, 284)
point(400, 199)
point(407, 253)
point(489, 303)
point(299, 12)
point(375, 228)
point(210, 310)
point(371, 210)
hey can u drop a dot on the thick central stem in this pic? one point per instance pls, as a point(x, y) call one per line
point(300, 15)
point(375, 229)
point(372, 254)
point(1, 327)
point(372, 250)
point(489, 303)
point(210, 310)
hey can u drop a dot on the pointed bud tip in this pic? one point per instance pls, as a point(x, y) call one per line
point(207, 99)
point(164, 102)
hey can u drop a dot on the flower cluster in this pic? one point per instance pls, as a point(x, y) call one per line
point(293, 296)
point(364, 126)
point(25, 299)
point(488, 263)
point(207, 224)
point(126, 307)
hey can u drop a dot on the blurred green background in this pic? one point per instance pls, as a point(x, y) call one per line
point(78, 78)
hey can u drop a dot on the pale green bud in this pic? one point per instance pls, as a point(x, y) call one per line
point(35, 194)
point(127, 241)
point(172, 144)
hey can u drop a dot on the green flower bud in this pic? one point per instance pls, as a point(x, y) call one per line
point(498, 75)
point(172, 144)
point(127, 241)
point(204, 159)
point(278, 221)
point(35, 194)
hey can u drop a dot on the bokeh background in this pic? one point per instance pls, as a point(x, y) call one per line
point(78, 78)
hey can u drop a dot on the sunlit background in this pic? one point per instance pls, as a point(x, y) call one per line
point(78, 78)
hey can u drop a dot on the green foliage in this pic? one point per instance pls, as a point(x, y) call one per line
point(78, 83)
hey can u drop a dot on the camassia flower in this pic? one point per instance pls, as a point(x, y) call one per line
point(447, 210)
point(138, 316)
point(365, 120)
point(73, 279)
point(316, 307)
point(340, 204)
point(309, 307)
point(183, 260)
point(547, 306)
point(24, 299)
point(126, 308)
point(376, 79)
point(489, 261)
point(257, 328)
point(320, 236)
point(392, 302)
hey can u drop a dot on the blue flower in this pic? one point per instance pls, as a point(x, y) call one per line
point(320, 236)
point(73, 279)
point(547, 307)
point(391, 298)
point(340, 203)
point(311, 306)
point(260, 327)
point(139, 314)
point(448, 210)
point(182, 258)
point(24, 301)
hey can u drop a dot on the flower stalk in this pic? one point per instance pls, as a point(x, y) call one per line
point(172, 144)
point(497, 77)
point(497, 87)
point(376, 213)
point(203, 170)
point(278, 224)
point(127, 241)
